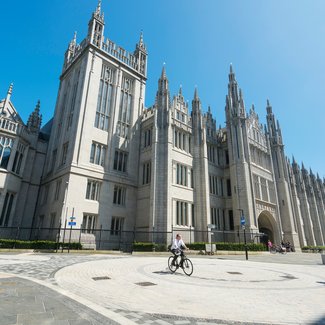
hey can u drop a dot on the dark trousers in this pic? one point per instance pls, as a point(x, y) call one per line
point(176, 253)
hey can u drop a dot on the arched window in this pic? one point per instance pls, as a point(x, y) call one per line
point(5, 151)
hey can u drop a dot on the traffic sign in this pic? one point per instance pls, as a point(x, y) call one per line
point(242, 221)
point(72, 223)
point(72, 218)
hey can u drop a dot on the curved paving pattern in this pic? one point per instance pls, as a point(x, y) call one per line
point(220, 291)
point(216, 289)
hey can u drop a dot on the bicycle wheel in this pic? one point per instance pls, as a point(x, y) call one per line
point(187, 266)
point(273, 250)
point(172, 268)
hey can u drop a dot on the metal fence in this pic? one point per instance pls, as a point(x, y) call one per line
point(111, 239)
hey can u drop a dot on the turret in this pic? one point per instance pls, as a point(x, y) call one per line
point(141, 54)
point(163, 85)
point(35, 119)
point(234, 100)
point(70, 52)
point(162, 102)
point(96, 26)
point(8, 96)
point(197, 118)
point(273, 126)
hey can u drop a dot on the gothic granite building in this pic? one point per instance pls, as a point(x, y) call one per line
point(110, 163)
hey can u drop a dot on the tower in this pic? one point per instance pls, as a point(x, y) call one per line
point(92, 166)
point(282, 179)
point(200, 167)
point(239, 185)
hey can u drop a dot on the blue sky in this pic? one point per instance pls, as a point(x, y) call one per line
point(276, 47)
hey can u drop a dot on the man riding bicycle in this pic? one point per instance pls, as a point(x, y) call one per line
point(177, 249)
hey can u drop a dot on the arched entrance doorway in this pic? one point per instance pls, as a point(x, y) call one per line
point(266, 225)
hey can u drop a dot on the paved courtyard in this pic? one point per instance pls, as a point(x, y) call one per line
point(79, 289)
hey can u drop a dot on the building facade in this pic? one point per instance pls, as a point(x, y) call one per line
point(106, 161)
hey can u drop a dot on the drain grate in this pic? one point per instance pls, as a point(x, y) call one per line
point(234, 273)
point(146, 284)
point(101, 278)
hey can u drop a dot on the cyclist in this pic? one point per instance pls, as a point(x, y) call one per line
point(177, 249)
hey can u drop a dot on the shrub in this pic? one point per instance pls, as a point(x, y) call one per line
point(313, 248)
point(149, 247)
point(229, 246)
point(36, 244)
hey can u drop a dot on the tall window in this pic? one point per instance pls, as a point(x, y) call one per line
point(182, 141)
point(228, 187)
point(227, 157)
point(53, 162)
point(147, 138)
point(231, 220)
point(18, 158)
point(119, 195)
point(62, 110)
point(271, 191)
point(181, 213)
point(125, 108)
point(105, 95)
point(6, 209)
point(257, 186)
point(5, 151)
point(57, 190)
point(193, 215)
point(120, 161)
point(53, 220)
point(216, 215)
point(97, 153)
point(73, 100)
point(116, 225)
point(264, 189)
point(89, 223)
point(64, 153)
point(46, 190)
point(93, 189)
point(181, 174)
point(192, 178)
point(146, 173)
point(211, 153)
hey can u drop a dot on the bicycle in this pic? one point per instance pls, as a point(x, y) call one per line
point(278, 249)
point(187, 265)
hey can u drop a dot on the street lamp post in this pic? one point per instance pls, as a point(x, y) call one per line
point(243, 225)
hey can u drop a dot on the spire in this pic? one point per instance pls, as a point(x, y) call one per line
point(196, 96)
point(35, 119)
point(163, 73)
point(140, 45)
point(234, 102)
point(9, 92)
point(232, 76)
point(74, 38)
point(96, 26)
point(99, 7)
point(303, 167)
point(196, 103)
point(268, 107)
point(98, 12)
point(180, 92)
point(163, 88)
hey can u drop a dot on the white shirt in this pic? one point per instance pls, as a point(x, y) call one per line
point(177, 244)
